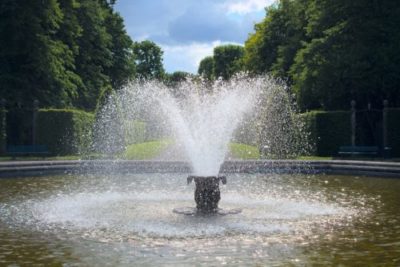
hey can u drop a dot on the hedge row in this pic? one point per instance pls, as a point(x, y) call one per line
point(65, 132)
point(393, 131)
point(328, 131)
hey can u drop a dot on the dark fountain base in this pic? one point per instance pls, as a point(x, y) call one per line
point(207, 195)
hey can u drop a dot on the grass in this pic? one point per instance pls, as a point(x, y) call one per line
point(147, 150)
point(243, 151)
point(150, 150)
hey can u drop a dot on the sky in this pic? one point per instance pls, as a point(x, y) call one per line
point(188, 30)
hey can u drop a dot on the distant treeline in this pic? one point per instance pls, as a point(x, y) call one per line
point(65, 53)
point(61, 52)
point(329, 51)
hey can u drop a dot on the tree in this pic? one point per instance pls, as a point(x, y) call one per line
point(123, 65)
point(277, 39)
point(148, 59)
point(177, 77)
point(228, 60)
point(330, 51)
point(206, 68)
point(34, 62)
point(350, 54)
point(95, 54)
point(62, 52)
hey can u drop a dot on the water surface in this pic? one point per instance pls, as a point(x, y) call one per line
point(125, 220)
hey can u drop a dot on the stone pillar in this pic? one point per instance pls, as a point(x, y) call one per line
point(384, 123)
point(34, 120)
point(386, 148)
point(353, 123)
point(3, 125)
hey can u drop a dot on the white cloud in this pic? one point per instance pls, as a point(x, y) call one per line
point(188, 30)
point(247, 6)
point(187, 57)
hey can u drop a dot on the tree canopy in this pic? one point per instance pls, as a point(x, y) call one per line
point(225, 62)
point(207, 68)
point(330, 51)
point(62, 52)
point(148, 58)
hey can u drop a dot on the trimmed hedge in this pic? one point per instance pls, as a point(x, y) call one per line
point(64, 132)
point(328, 130)
point(393, 131)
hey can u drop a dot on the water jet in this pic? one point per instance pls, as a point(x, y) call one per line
point(118, 212)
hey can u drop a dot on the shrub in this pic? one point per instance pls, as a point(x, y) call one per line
point(65, 132)
point(328, 130)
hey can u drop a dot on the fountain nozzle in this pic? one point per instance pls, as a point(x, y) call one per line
point(207, 193)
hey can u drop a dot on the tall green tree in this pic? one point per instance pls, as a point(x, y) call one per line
point(277, 39)
point(62, 52)
point(34, 62)
point(123, 64)
point(206, 68)
point(351, 54)
point(148, 59)
point(95, 54)
point(228, 60)
point(330, 51)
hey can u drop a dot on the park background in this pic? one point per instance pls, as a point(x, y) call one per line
point(61, 59)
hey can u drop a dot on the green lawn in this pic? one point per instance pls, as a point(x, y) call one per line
point(242, 151)
point(150, 150)
point(147, 150)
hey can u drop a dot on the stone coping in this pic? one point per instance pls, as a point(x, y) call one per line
point(346, 167)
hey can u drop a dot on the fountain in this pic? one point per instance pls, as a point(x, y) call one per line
point(201, 116)
point(119, 213)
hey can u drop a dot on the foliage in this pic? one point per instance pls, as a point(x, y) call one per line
point(175, 78)
point(328, 131)
point(281, 134)
point(277, 38)
point(243, 151)
point(103, 98)
point(350, 54)
point(227, 60)
point(108, 130)
point(330, 51)
point(64, 132)
point(207, 68)
point(123, 64)
point(148, 58)
point(393, 131)
point(34, 62)
point(147, 150)
point(61, 52)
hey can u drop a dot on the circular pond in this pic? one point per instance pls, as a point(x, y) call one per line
point(125, 220)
